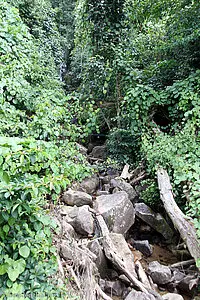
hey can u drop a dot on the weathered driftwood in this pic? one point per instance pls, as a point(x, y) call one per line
point(140, 177)
point(111, 254)
point(135, 176)
point(182, 264)
point(185, 228)
point(75, 278)
point(84, 271)
point(136, 172)
point(180, 246)
point(142, 276)
point(125, 173)
point(151, 282)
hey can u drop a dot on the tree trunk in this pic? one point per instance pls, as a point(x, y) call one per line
point(185, 227)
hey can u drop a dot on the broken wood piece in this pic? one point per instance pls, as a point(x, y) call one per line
point(151, 282)
point(95, 158)
point(75, 278)
point(142, 275)
point(136, 172)
point(125, 173)
point(185, 228)
point(101, 294)
point(141, 176)
point(180, 246)
point(185, 263)
point(111, 254)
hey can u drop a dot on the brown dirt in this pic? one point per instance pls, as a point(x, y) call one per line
point(160, 254)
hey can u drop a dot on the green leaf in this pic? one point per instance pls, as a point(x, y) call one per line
point(15, 268)
point(6, 228)
point(20, 264)
point(17, 288)
point(24, 251)
point(1, 160)
point(9, 283)
point(6, 177)
point(198, 263)
point(13, 274)
point(3, 269)
point(104, 91)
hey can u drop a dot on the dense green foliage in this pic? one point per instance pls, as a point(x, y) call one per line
point(133, 67)
point(141, 66)
point(31, 170)
point(38, 155)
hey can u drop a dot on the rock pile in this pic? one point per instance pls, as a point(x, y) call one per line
point(93, 221)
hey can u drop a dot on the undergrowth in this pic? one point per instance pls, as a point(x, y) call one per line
point(38, 159)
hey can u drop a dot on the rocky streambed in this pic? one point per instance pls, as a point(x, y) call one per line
point(113, 245)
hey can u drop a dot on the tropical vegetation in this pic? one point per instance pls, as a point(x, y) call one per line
point(129, 69)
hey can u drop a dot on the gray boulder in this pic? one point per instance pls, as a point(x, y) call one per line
point(100, 193)
point(114, 288)
point(83, 150)
point(178, 275)
point(66, 251)
point(77, 198)
point(188, 284)
point(100, 261)
point(106, 187)
point(176, 278)
point(143, 246)
point(99, 152)
point(117, 211)
point(155, 220)
point(122, 185)
point(159, 273)
point(172, 296)
point(89, 184)
point(67, 229)
point(80, 218)
point(133, 295)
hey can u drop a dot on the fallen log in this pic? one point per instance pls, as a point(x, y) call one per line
point(180, 221)
point(112, 255)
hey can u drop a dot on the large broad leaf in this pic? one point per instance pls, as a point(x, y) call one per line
point(6, 228)
point(24, 251)
point(3, 269)
point(13, 274)
point(17, 289)
point(20, 264)
point(16, 268)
